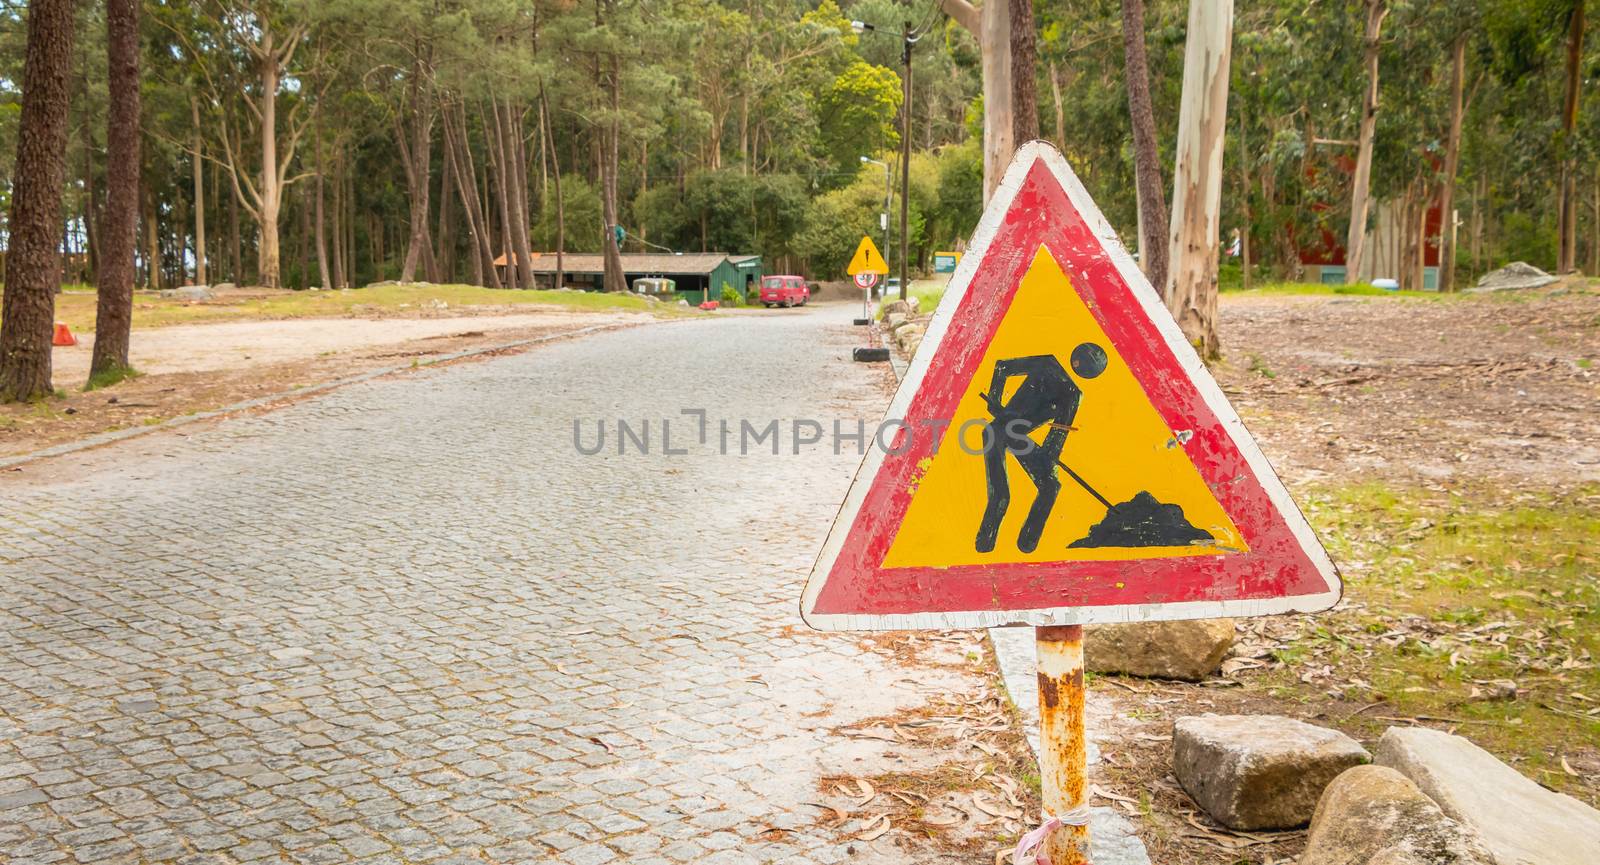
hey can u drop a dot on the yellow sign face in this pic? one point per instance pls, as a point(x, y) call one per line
point(1081, 466)
point(867, 259)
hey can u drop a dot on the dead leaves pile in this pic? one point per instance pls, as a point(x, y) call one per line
point(972, 799)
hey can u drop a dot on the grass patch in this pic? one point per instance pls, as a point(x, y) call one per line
point(928, 293)
point(109, 377)
point(1456, 596)
point(77, 308)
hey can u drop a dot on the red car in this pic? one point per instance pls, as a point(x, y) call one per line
point(785, 290)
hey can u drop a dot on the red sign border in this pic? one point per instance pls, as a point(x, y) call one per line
point(1041, 202)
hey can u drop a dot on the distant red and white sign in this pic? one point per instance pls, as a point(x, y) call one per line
point(865, 279)
point(1058, 453)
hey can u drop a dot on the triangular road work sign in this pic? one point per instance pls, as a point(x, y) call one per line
point(1058, 454)
point(867, 259)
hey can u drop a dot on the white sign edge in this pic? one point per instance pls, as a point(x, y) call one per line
point(1156, 311)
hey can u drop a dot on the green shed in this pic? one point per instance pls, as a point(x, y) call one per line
point(697, 274)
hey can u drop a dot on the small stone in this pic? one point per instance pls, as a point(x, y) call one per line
point(1259, 771)
point(1373, 815)
point(1189, 650)
point(899, 307)
point(907, 333)
point(290, 653)
point(1502, 689)
point(1519, 821)
point(894, 319)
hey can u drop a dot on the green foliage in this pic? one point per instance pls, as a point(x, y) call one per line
point(725, 211)
point(582, 206)
point(857, 112)
point(730, 296)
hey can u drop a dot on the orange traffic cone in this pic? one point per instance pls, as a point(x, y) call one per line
point(63, 336)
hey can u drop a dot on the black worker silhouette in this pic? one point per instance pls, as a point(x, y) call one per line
point(1049, 397)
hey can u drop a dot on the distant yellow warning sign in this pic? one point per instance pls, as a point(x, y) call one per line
point(1056, 454)
point(867, 259)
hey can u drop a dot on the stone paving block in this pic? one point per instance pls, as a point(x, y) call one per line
point(394, 612)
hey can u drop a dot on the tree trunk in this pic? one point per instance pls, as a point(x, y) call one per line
point(235, 242)
point(114, 295)
point(337, 229)
point(905, 170)
point(1567, 204)
point(202, 274)
point(1024, 78)
point(991, 26)
point(517, 172)
point(444, 256)
point(1360, 202)
point(467, 189)
point(1191, 286)
point(1150, 188)
point(152, 240)
point(1061, 113)
point(416, 155)
point(271, 199)
point(1452, 159)
point(495, 140)
point(1248, 215)
point(1594, 249)
point(33, 267)
point(319, 223)
point(615, 280)
point(561, 211)
point(91, 217)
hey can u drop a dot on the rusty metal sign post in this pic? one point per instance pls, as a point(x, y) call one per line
point(1063, 744)
point(1057, 455)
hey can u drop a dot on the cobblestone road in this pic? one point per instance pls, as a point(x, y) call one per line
point(407, 622)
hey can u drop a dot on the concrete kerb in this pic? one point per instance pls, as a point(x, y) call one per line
point(114, 436)
point(1112, 839)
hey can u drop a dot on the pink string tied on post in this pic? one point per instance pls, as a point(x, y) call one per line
point(1030, 847)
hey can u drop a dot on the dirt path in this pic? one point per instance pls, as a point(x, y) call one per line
point(203, 367)
point(244, 344)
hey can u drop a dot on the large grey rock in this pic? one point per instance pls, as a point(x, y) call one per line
point(1190, 650)
point(907, 333)
point(902, 307)
point(1373, 815)
point(894, 319)
point(194, 292)
point(224, 286)
point(1520, 822)
point(1259, 771)
point(1517, 274)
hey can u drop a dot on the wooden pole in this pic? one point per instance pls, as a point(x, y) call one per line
point(1063, 749)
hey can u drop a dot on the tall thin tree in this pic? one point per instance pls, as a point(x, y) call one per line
point(1190, 290)
point(1360, 185)
point(114, 302)
point(33, 267)
point(1149, 187)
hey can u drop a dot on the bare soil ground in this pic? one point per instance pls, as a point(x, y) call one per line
point(1444, 450)
point(1498, 386)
